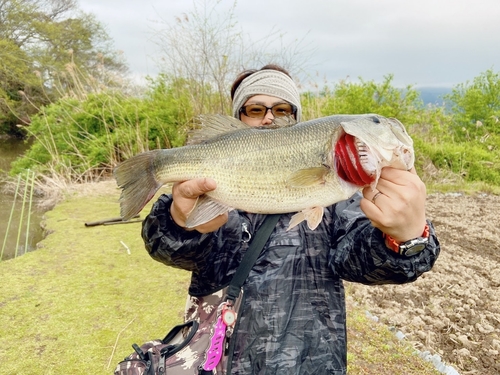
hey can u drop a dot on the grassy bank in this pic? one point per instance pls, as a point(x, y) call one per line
point(77, 304)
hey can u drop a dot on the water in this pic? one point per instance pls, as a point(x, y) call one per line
point(14, 235)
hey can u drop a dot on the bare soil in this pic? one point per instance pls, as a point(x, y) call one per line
point(454, 310)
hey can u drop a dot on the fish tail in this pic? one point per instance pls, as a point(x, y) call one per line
point(137, 179)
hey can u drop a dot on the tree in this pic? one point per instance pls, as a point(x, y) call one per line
point(206, 48)
point(18, 83)
point(54, 42)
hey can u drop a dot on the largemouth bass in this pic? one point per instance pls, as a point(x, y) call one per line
point(293, 168)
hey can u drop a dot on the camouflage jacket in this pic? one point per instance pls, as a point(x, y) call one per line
point(292, 319)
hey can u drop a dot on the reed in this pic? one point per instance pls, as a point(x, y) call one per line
point(10, 216)
point(24, 187)
point(30, 177)
point(19, 228)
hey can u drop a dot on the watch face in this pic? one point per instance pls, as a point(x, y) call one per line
point(415, 249)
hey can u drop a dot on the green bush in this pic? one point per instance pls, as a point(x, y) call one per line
point(370, 97)
point(89, 136)
point(473, 161)
point(476, 106)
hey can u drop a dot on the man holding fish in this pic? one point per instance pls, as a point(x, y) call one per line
point(353, 208)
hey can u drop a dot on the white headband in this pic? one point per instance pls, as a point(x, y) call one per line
point(267, 82)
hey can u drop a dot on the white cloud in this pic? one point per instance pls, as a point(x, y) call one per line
point(423, 42)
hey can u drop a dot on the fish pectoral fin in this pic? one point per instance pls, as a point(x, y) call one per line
point(308, 177)
point(296, 220)
point(312, 216)
point(205, 210)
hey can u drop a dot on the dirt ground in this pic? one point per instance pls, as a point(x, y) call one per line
point(454, 310)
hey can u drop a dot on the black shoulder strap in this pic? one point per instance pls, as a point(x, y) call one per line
point(250, 257)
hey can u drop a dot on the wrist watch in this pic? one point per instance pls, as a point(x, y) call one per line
point(411, 247)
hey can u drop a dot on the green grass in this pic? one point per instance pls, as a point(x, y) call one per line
point(466, 188)
point(76, 305)
point(64, 306)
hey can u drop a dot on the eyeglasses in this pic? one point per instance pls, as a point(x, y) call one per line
point(260, 110)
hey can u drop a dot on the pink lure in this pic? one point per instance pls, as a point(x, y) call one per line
point(214, 353)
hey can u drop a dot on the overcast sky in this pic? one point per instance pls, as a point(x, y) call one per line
point(422, 43)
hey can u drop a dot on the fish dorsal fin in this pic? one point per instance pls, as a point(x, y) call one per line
point(283, 122)
point(308, 177)
point(205, 210)
point(212, 126)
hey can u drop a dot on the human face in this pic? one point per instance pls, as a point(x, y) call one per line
point(265, 100)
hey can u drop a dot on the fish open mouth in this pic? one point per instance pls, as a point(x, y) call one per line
point(351, 155)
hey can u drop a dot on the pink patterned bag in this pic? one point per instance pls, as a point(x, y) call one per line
point(200, 346)
point(195, 347)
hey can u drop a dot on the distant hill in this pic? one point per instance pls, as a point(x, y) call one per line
point(433, 95)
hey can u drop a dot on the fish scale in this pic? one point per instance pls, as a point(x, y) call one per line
point(264, 170)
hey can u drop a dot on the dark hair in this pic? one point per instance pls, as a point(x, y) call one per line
point(248, 73)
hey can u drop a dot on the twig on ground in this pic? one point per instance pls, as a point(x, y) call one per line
point(126, 247)
point(116, 342)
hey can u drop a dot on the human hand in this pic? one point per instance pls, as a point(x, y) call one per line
point(184, 195)
point(399, 209)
